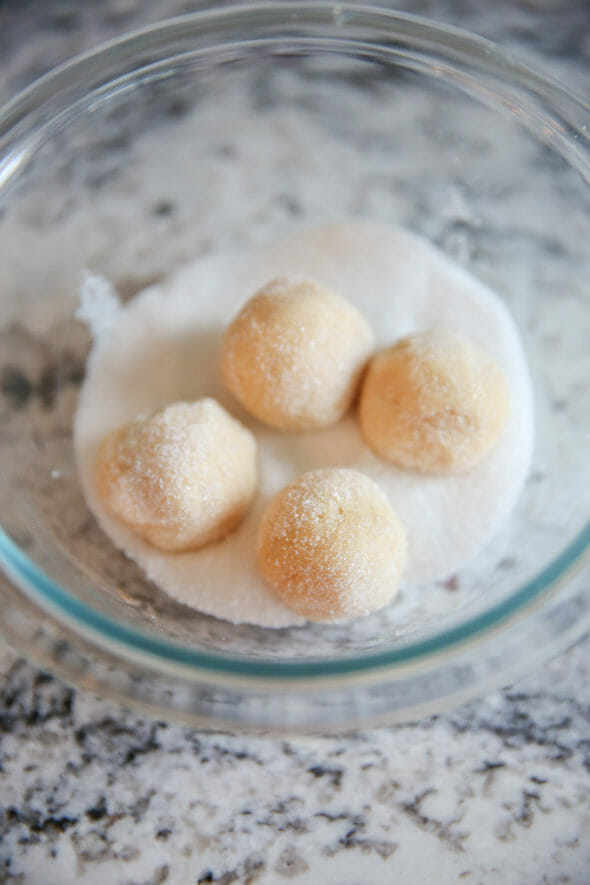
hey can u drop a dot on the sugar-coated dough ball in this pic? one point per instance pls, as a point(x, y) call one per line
point(181, 477)
point(435, 402)
point(330, 546)
point(295, 354)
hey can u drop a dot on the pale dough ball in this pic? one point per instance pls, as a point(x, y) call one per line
point(330, 546)
point(295, 354)
point(181, 477)
point(434, 402)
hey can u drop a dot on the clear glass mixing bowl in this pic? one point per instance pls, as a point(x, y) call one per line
point(226, 128)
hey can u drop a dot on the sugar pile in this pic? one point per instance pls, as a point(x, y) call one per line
point(164, 345)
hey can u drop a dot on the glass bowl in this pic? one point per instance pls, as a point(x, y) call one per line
point(224, 129)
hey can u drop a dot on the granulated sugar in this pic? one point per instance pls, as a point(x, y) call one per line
point(164, 345)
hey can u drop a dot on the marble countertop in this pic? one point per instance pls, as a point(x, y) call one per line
point(495, 791)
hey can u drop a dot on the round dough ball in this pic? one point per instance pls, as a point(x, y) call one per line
point(181, 477)
point(295, 354)
point(435, 402)
point(330, 545)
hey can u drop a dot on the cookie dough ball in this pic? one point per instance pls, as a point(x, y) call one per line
point(295, 354)
point(330, 545)
point(435, 402)
point(180, 478)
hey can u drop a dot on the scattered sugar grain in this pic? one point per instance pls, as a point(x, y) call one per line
point(99, 304)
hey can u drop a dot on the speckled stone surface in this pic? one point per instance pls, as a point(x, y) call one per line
point(495, 791)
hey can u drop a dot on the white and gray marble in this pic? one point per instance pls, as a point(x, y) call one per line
point(495, 791)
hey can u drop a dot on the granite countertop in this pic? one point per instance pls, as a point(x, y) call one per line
point(495, 791)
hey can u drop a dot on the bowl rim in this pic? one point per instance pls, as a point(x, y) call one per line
point(535, 96)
